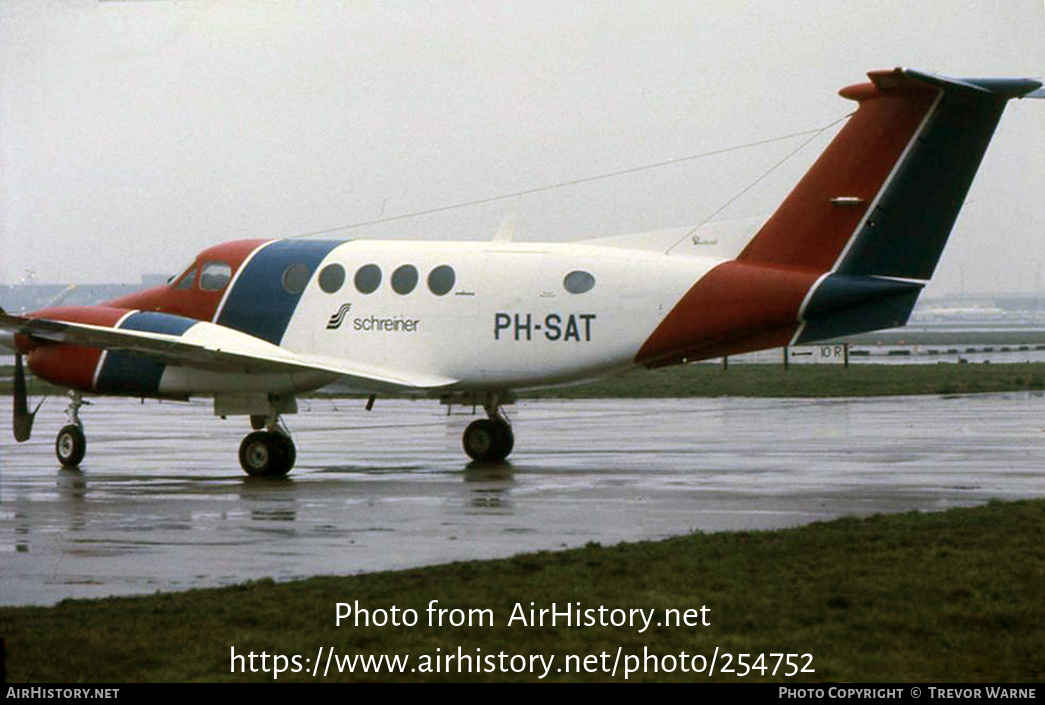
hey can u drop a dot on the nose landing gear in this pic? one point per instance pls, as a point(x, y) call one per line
point(71, 445)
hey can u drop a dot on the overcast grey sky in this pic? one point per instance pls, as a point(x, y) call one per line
point(133, 134)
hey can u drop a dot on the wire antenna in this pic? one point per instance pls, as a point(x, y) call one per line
point(588, 179)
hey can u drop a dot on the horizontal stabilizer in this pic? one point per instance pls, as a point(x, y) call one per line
point(1004, 88)
point(843, 305)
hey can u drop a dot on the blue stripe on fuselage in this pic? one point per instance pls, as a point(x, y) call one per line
point(153, 322)
point(258, 304)
point(136, 375)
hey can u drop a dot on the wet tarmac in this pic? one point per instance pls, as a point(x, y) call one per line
point(160, 503)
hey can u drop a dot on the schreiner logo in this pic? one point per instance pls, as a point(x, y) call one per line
point(386, 324)
point(338, 318)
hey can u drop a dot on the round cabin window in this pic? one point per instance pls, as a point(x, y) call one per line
point(331, 278)
point(441, 280)
point(404, 279)
point(368, 278)
point(295, 278)
point(578, 282)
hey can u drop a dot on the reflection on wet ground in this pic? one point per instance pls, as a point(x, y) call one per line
point(161, 504)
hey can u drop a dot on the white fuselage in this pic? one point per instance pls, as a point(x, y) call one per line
point(507, 321)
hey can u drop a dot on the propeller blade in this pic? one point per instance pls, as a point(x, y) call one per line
point(23, 419)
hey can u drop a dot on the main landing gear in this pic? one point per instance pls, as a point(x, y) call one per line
point(490, 439)
point(71, 445)
point(269, 452)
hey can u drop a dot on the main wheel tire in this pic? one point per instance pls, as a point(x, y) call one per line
point(488, 440)
point(267, 454)
point(478, 439)
point(287, 450)
point(70, 446)
point(506, 439)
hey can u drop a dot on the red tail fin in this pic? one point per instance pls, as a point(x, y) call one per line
point(818, 218)
point(851, 246)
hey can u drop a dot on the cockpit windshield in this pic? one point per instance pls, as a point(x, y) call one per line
point(214, 275)
point(185, 279)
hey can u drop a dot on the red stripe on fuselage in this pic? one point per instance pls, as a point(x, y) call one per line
point(193, 302)
point(734, 308)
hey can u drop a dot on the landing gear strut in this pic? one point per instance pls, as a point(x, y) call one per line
point(71, 445)
point(490, 439)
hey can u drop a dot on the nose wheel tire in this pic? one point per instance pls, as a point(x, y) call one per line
point(70, 446)
point(267, 454)
point(488, 440)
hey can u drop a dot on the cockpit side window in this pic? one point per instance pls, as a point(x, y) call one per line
point(215, 276)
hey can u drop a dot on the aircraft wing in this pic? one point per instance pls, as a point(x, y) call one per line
point(210, 347)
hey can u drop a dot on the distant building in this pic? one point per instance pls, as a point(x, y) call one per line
point(19, 298)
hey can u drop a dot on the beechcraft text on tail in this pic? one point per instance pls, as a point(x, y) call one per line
point(254, 323)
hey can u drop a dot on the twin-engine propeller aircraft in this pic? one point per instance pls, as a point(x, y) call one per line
point(253, 323)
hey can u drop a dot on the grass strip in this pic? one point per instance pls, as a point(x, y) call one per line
point(763, 380)
point(952, 596)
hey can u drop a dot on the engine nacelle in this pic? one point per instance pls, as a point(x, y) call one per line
point(66, 365)
point(110, 372)
point(71, 366)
